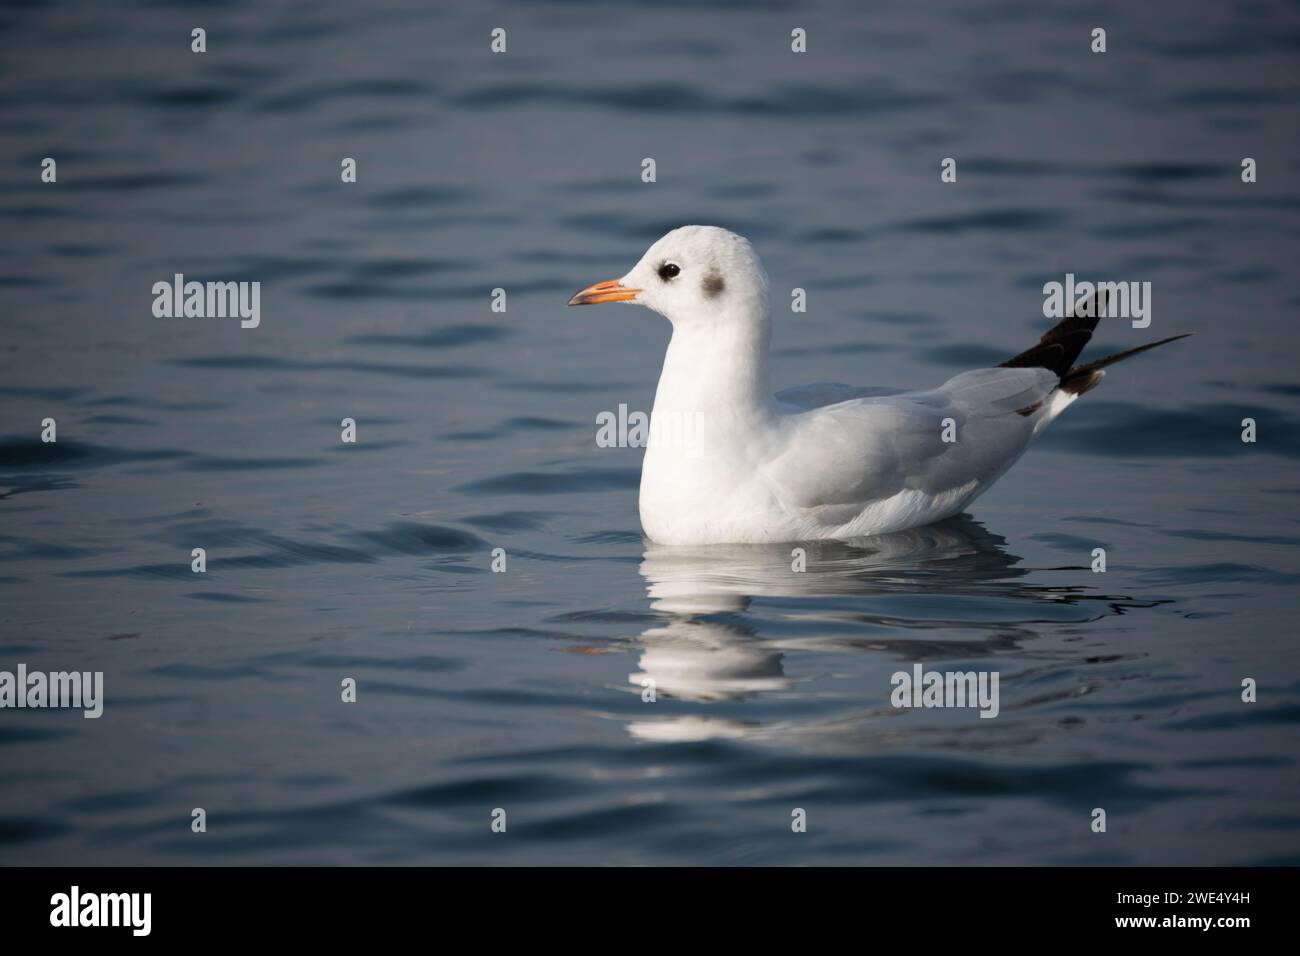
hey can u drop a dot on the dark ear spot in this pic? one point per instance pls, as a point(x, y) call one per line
point(713, 285)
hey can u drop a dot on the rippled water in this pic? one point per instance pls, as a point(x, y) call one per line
point(477, 431)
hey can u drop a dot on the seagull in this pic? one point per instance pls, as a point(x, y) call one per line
point(728, 463)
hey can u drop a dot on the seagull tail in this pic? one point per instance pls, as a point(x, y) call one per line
point(1085, 377)
point(1061, 345)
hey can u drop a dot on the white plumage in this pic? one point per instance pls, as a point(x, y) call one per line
point(727, 462)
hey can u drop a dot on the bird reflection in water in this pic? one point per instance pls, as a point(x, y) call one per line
point(706, 649)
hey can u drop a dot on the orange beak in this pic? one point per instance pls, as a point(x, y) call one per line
point(609, 291)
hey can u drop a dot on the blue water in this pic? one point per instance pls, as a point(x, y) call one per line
point(522, 690)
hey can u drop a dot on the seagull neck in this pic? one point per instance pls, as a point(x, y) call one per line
point(718, 369)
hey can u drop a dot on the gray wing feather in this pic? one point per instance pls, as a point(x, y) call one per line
point(836, 459)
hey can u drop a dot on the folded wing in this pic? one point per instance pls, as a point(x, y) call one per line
point(835, 460)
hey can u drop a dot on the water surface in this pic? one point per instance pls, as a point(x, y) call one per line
point(476, 430)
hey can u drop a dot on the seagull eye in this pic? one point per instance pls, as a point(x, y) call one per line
point(668, 270)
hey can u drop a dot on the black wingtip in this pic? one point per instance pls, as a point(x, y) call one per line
point(1070, 335)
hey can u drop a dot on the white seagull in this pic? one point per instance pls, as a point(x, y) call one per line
point(728, 463)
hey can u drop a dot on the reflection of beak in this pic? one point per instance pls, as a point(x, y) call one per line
point(609, 291)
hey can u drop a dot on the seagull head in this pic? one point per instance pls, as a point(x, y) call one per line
point(693, 275)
